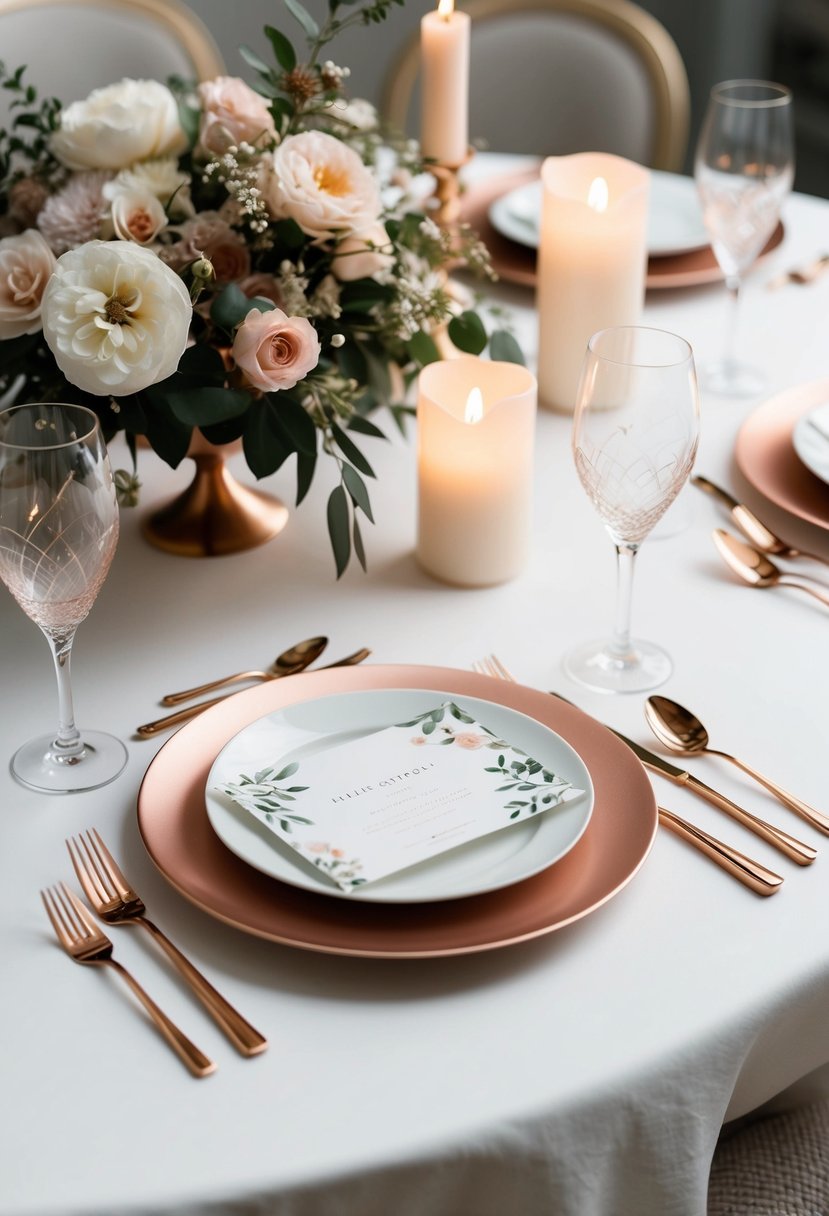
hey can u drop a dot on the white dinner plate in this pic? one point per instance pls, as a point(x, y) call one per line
point(674, 221)
point(498, 860)
point(811, 440)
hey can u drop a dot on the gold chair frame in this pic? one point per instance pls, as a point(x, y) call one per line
point(185, 26)
point(650, 41)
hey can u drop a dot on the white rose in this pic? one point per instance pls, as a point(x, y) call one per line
point(26, 264)
point(162, 178)
point(119, 124)
point(137, 216)
point(362, 255)
point(321, 183)
point(358, 113)
point(115, 317)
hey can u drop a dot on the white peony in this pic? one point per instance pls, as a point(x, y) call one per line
point(118, 125)
point(321, 183)
point(26, 264)
point(115, 318)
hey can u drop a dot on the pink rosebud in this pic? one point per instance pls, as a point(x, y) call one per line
point(274, 350)
point(469, 741)
point(418, 741)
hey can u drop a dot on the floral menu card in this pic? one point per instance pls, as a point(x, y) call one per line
point(361, 810)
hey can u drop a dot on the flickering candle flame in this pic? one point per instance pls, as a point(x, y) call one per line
point(446, 8)
point(474, 410)
point(597, 195)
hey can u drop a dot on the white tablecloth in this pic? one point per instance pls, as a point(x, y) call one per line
point(586, 1073)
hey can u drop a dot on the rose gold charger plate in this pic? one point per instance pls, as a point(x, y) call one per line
point(173, 823)
point(766, 457)
point(517, 263)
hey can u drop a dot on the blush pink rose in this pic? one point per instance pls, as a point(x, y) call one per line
point(469, 741)
point(26, 265)
point(232, 114)
point(418, 740)
point(275, 351)
point(361, 255)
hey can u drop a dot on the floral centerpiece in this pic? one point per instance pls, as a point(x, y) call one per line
point(254, 262)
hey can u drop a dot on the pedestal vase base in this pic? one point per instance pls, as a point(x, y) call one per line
point(215, 515)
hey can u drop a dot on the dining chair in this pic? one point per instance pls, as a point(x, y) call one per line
point(552, 77)
point(73, 46)
point(773, 1165)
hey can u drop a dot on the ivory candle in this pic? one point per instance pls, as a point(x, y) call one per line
point(444, 54)
point(476, 421)
point(592, 262)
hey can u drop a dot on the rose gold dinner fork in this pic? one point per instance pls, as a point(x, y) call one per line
point(85, 942)
point(117, 903)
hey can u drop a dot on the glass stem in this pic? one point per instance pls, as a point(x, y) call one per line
point(732, 283)
point(625, 556)
point(67, 743)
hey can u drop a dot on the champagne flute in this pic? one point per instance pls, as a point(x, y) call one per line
point(744, 169)
point(58, 531)
point(635, 435)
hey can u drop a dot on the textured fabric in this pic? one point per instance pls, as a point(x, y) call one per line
point(775, 1167)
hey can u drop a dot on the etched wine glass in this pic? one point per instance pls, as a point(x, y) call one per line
point(635, 435)
point(58, 532)
point(744, 169)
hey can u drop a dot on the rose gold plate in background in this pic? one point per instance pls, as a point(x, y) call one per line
point(173, 823)
point(516, 263)
point(767, 459)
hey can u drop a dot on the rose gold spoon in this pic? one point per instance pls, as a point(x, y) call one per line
point(680, 731)
point(758, 570)
point(183, 715)
point(292, 660)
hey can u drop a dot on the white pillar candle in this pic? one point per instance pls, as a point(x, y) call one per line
point(592, 262)
point(444, 56)
point(476, 421)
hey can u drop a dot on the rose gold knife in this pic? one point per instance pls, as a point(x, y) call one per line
point(751, 527)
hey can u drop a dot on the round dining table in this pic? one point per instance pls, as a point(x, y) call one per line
point(583, 1072)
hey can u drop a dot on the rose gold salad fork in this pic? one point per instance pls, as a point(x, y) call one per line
point(117, 903)
point(86, 943)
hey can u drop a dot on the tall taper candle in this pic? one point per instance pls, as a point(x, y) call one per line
point(475, 463)
point(444, 50)
point(592, 262)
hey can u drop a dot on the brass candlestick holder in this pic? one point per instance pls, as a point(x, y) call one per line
point(448, 190)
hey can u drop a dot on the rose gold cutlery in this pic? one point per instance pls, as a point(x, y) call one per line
point(183, 715)
point(680, 731)
point(751, 527)
point(117, 903)
point(801, 275)
point(758, 570)
point(293, 660)
point(749, 872)
point(86, 943)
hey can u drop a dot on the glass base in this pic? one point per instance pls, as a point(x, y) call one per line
point(597, 666)
point(728, 378)
point(36, 766)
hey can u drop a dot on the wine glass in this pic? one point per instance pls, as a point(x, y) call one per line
point(744, 169)
point(58, 531)
point(635, 434)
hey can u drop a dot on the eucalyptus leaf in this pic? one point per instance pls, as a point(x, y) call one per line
point(365, 427)
point(467, 333)
point(282, 48)
point(504, 348)
point(265, 449)
point(338, 529)
point(203, 406)
point(255, 61)
point(304, 18)
point(357, 537)
point(305, 467)
point(230, 308)
point(350, 450)
point(357, 489)
point(422, 349)
point(293, 418)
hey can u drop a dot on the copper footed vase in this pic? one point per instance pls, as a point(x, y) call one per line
point(215, 515)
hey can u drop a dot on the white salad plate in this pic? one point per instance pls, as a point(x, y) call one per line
point(487, 864)
point(810, 438)
point(675, 223)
